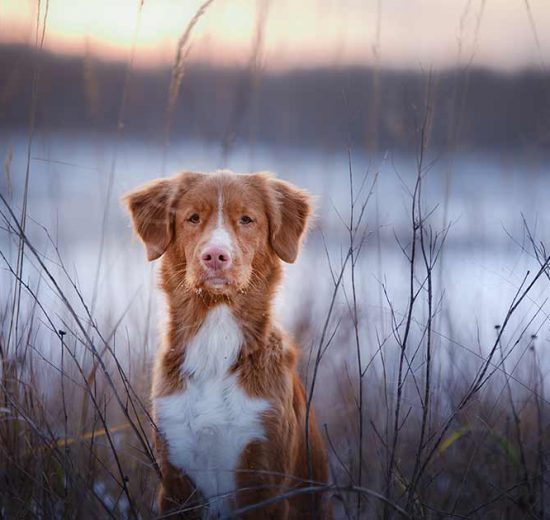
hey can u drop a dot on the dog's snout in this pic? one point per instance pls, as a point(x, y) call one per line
point(216, 258)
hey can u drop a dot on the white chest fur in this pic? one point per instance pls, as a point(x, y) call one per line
point(207, 425)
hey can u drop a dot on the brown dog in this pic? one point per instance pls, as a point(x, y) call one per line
point(228, 403)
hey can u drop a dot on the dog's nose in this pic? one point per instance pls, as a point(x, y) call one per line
point(216, 258)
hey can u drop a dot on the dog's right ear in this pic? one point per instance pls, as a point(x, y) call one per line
point(152, 208)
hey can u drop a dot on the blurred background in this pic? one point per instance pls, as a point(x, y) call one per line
point(355, 100)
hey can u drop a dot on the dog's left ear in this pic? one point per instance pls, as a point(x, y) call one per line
point(152, 208)
point(289, 210)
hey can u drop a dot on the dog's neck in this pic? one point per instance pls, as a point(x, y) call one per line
point(251, 307)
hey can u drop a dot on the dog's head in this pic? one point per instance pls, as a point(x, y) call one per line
point(220, 229)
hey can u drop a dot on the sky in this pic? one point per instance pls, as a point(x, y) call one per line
point(412, 34)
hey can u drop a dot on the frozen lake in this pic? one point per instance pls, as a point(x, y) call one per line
point(76, 182)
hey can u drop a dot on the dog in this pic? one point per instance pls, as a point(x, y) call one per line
point(228, 403)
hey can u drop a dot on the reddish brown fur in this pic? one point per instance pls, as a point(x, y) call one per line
point(266, 366)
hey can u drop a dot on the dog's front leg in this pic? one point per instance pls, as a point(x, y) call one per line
point(261, 478)
point(178, 497)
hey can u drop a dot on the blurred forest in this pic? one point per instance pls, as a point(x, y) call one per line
point(473, 109)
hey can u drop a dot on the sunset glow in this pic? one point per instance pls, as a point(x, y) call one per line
point(410, 33)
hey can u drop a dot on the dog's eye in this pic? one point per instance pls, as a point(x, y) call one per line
point(194, 218)
point(245, 219)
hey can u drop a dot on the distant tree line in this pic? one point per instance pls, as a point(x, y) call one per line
point(469, 108)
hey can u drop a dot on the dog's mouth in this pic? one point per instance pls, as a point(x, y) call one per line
point(224, 282)
point(218, 283)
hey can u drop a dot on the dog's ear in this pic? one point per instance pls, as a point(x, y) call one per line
point(152, 208)
point(289, 210)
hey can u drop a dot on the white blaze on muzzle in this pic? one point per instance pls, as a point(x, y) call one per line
point(220, 236)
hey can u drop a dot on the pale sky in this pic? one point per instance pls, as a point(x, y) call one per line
point(297, 33)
